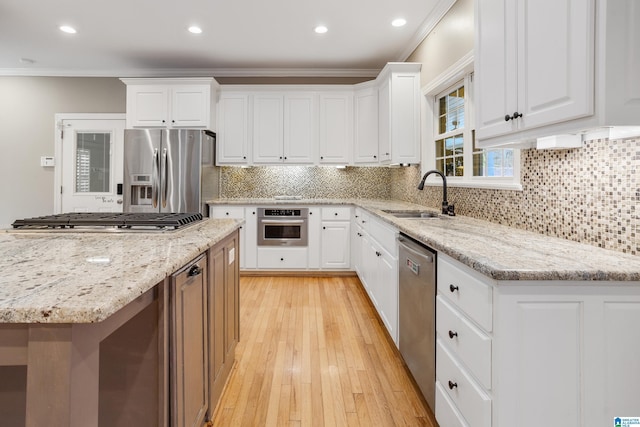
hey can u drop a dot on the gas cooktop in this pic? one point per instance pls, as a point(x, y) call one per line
point(96, 221)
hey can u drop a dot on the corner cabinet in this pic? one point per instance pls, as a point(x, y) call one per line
point(171, 103)
point(543, 353)
point(552, 67)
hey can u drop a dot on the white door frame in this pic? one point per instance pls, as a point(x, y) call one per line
point(57, 169)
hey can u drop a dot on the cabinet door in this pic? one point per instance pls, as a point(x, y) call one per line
point(249, 239)
point(366, 126)
point(233, 138)
point(315, 237)
point(405, 117)
point(384, 117)
point(190, 361)
point(232, 298)
point(335, 244)
point(555, 61)
point(147, 106)
point(268, 111)
point(190, 106)
point(216, 323)
point(495, 67)
point(336, 127)
point(387, 274)
point(300, 127)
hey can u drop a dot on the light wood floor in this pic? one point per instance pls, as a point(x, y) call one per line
point(312, 352)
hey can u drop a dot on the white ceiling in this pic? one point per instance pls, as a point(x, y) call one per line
point(240, 37)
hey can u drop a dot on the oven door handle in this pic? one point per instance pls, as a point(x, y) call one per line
point(282, 221)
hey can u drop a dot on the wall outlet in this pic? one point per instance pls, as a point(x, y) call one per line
point(47, 161)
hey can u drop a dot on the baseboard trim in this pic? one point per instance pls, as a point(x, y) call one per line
point(297, 273)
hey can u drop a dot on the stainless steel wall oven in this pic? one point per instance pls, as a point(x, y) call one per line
point(283, 227)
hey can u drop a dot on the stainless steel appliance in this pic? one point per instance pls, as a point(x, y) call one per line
point(112, 222)
point(417, 308)
point(283, 227)
point(163, 169)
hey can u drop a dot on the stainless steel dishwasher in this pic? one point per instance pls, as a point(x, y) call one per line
point(417, 309)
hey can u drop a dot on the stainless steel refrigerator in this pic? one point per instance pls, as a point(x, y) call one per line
point(163, 169)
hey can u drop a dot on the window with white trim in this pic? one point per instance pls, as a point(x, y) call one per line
point(453, 145)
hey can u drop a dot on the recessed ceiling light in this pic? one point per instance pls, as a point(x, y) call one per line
point(321, 29)
point(68, 29)
point(399, 22)
point(195, 30)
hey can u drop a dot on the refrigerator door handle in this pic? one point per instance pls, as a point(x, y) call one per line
point(154, 178)
point(165, 178)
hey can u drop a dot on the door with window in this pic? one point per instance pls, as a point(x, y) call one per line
point(91, 164)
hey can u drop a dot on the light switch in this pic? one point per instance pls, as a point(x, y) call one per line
point(47, 161)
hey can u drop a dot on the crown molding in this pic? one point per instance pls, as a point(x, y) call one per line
point(439, 11)
point(194, 72)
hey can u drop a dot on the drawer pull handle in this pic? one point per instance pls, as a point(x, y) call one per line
point(452, 334)
point(452, 385)
point(453, 288)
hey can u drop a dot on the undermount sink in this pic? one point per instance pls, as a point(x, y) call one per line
point(406, 214)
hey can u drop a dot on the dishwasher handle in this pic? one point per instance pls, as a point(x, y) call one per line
point(411, 247)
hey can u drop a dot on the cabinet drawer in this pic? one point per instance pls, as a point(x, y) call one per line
point(473, 403)
point(384, 234)
point(446, 412)
point(226, 212)
point(337, 213)
point(468, 343)
point(469, 293)
point(282, 258)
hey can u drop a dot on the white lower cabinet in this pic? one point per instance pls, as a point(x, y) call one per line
point(376, 262)
point(530, 354)
point(282, 258)
point(335, 238)
point(248, 232)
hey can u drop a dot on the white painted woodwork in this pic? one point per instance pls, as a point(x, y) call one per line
point(473, 296)
point(336, 252)
point(300, 128)
point(268, 116)
point(170, 103)
point(338, 213)
point(315, 237)
point(366, 125)
point(470, 344)
point(232, 140)
point(282, 258)
point(567, 72)
point(399, 113)
point(248, 231)
point(468, 396)
point(448, 414)
point(336, 127)
point(388, 289)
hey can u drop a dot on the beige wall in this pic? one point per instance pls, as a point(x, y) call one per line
point(449, 41)
point(27, 131)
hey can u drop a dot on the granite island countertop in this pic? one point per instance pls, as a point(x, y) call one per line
point(84, 277)
point(497, 251)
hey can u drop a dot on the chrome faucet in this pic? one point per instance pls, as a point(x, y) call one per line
point(446, 208)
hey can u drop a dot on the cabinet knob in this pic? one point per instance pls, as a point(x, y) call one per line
point(359, 234)
point(452, 334)
point(453, 288)
point(378, 253)
point(515, 116)
point(335, 213)
point(375, 157)
point(321, 158)
point(173, 121)
point(452, 385)
point(285, 157)
point(226, 213)
point(310, 213)
point(281, 259)
point(163, 121)
point(244, 157)
point(324, 228)
point(280, 157)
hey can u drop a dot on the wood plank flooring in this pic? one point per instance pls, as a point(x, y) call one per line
point(313, 352)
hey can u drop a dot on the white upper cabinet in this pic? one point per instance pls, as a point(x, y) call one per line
point(300, 127)
point(336, 127)
point(366, 125)
point(554, 66)
point(399, 113)
point(232, 143)
point(284, 127)
point(171, 103)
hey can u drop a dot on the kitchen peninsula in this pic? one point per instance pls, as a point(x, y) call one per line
point(91, 325)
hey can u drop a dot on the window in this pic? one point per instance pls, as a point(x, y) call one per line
point(453, 150)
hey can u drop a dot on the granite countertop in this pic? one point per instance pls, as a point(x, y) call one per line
point(497, 251)
point(84, 277)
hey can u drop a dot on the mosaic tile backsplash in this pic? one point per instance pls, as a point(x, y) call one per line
point(589, 194)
